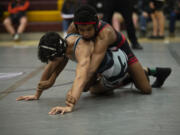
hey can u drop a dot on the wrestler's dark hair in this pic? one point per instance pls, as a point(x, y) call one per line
point(86, 14)
point(51, 45)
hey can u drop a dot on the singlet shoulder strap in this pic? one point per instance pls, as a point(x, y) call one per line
point(101, 26)
point(71, 34)
point(76, 42)
point(75, 45)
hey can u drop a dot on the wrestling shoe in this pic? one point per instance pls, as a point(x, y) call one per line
point(161, 76)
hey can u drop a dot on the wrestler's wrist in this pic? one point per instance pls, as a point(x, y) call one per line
point(37, 96)
point(38, 93)
point(39, 90)
point(70, 101)
point(70, 105)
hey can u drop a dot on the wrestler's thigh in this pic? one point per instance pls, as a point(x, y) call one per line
point(141, 82)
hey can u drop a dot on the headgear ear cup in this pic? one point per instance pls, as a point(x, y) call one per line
point(51, 45)
point(61, 47)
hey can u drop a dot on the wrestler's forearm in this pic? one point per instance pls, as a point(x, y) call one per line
point(56, 73)
point(95, 63)
point(48, 71)
point(78, 84)
point(41, 88)
point(48, 80)
point(45, 76)
point(92, 70)
point(74, 94)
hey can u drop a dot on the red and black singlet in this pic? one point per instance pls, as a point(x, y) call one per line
point(120, 42)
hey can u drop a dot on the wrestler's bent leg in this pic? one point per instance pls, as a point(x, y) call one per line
point(138, 75)
point(99, 89)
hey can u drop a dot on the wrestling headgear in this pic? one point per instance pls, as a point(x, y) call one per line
point(51, 45)
point(86, 14)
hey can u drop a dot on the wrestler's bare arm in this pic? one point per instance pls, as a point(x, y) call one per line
point(72, 28)
point(48, 83)
point(103, 40)
point(83, 57)
point(50, 73)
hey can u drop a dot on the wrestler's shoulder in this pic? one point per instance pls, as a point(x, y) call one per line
point(108, 29)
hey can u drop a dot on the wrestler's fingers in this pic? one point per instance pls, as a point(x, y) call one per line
point(20, 98)
point(53, 110)
point(58, 110)
point(28, 98)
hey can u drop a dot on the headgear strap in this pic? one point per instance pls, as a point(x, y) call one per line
point(49, 48)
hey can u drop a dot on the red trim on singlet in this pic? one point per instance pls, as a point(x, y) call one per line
point(129, 55)
point(99, 25)
point(85, 22)
point(103, 27)
point(122, 41)
point(132, 60)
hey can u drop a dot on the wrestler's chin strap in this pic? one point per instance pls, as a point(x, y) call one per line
point(70, 100)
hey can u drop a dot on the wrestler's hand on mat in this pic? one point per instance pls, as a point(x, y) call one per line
point(60, 109)
point(27, 98)
point(44, 85)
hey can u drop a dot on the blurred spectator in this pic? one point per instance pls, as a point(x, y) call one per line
point(126, 9)
point(1, 11)
point(174, 15)
point(99, 6)
point(118, 20)
point(143, 6)
point(83, 1)
point(158, 18)
point(17, 10)
point(67, 13)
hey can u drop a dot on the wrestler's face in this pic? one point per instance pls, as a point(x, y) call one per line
point(87, 31)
